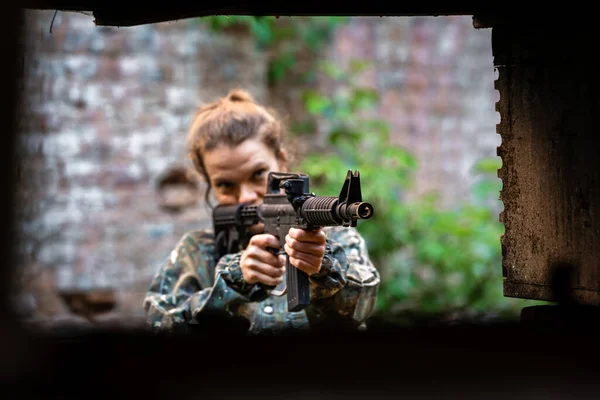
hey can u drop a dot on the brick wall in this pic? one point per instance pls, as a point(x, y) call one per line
point(106, 112)
point(435, 78)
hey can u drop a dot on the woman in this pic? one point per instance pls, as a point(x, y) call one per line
point(234, 143)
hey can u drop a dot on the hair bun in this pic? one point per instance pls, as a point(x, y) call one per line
point(239, 95)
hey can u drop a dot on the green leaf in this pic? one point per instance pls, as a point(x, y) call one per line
point(487, 189)
point(283, 32)
point(315, 103)
point(332, 70)
point(489, 166)
point(358, 66)
point(402, 158)
point(337, 136)
point(262, 31)
point(303, 127)
point(379, 127)
point(280, 65)
point(363, 98)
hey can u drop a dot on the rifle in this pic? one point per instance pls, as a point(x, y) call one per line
point(295, 207)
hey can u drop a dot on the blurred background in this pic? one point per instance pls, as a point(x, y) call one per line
point(105, 190)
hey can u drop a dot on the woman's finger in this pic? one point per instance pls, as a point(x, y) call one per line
point(315, 249)
point(307, 267)
point(315, 236)
point(262, 255)
point(306, 257)
point(254, 276)
point(275, 271)
point(264, 241)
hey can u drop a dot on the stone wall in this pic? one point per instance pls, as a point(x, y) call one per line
point(106, 112)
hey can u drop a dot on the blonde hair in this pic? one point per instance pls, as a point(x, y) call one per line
point(230, 121)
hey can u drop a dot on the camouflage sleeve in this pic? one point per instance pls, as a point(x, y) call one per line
point(182, 288)
point(346, 287)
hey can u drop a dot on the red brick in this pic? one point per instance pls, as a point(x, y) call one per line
point(109, 68)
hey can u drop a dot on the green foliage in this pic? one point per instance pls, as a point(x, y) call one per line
point(432, 260)
point(288, 36)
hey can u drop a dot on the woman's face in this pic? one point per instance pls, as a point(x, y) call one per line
point(239, 174)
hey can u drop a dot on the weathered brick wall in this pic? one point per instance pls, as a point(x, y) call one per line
point(446, 111)
point(107, 110)
point(106, 113)
point(435, 77)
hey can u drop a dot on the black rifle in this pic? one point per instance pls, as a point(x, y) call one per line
point(295, 207)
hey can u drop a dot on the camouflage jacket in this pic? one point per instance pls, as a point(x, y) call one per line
point(191, 282)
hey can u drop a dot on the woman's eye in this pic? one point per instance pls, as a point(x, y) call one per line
point(259, 174)
point(224, 185)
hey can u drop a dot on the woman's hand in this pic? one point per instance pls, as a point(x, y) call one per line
point(260, 265)
point(306, 249)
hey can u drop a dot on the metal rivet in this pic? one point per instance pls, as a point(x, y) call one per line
point(268, 309)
